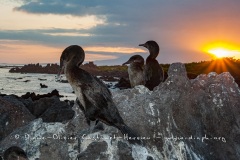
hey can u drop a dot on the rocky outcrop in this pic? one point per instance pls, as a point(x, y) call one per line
point(179, 119)
point(34, 97)
point(106, 75)
point(36, 68)
point(13, 114)
point(16, 112)
point(51, 109)
point(123, 84)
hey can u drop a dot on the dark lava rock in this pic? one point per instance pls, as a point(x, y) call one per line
point(12, 116)
point(2, 95)
point(108, 78)
point(36, 68)
point(63, 81)
point(58, 112)
point(34, 97)
point(40, 79)
point(96, 150)
point(123, 84)
point(26, 81)
point(29, 95)
point(51, 109)
point(43, 85)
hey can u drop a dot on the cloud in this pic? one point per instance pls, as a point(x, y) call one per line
point(181, 27)
point(123, 50)
point(75, 7)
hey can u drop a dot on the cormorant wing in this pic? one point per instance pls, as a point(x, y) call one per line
point(96, 92)
point(147, 73)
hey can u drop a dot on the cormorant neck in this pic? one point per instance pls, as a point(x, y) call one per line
point(72, 64)
point(75, 62)
point(150, 58)
point(153, 54)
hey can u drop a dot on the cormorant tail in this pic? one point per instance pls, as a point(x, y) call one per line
point(129, 134)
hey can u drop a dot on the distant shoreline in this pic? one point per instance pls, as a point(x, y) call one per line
point(194, 69)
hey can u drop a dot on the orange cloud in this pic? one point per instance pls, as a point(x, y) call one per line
point(21, 52)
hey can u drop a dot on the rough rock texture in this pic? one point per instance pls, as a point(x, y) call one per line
point(12, 115)
point(51, 109)
point(179, 119)
point(123, 84)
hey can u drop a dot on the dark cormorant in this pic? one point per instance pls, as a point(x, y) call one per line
point(15, 153)
point(93, 96)
point(135, 70)
point(153, 72)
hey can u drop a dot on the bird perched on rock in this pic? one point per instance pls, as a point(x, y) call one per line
point(15, 153)
point(153, 72)
point(135, 70)
point(93, 96)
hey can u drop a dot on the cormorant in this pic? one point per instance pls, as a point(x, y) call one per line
point(153, 72)
point(92, 94)
point(15, 153)
point(135, 70)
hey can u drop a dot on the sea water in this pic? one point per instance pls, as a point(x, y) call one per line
point(19, 84)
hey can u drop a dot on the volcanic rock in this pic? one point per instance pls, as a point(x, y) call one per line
point(13, 115)
point(179, 119)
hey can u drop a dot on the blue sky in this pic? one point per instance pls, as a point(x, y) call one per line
point(110, 31)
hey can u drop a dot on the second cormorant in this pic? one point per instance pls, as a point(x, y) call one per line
point(135, 70)
point(153, 72)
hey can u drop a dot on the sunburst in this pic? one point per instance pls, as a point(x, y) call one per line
point(220, 52)
point(222, 49)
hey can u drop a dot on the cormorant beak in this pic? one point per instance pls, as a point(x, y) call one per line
point(125, 63)
point(128, 62)
point(142, 45)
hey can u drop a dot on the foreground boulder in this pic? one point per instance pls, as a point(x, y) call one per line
point(13, 114)
point(179, 119)
point(51, 109)
point(16, 112)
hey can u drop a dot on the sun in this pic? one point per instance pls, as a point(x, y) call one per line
point(222, 49)
point(220, 52)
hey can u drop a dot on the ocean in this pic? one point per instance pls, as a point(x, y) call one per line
point(19, 84)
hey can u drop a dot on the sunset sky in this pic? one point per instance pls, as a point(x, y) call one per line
point(37, 31)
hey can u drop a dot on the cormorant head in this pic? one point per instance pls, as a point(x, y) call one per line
point(73, 54)
point(153, 48)
point(135, 59)
point(15, 152)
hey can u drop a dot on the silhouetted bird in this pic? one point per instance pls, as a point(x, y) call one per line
point(93, 96)
point(153, 72)
point(135, 70)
